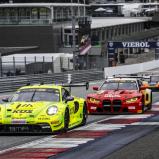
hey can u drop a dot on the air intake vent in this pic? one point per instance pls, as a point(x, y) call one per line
point(117, 103)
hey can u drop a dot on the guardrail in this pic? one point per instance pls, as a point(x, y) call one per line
point(12, 83)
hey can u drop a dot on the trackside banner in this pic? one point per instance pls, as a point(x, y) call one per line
point(111, 46)
point(136, 44)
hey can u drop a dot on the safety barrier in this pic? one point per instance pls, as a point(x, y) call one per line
point(12, 83)
point(134, 68)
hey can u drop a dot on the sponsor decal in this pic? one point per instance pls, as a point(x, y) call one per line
point(43, 118)
point(23, 105)
point(111, 95)
point(18, 121)
point(131, 107)
point(93, 107)
point(136, 44)
point(22, 111)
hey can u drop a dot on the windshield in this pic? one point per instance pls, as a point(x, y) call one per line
point(32, 95)
point(117, 85)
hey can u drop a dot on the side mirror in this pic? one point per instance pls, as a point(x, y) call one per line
point(69, 98)
point(96, 88)
point(5, 99)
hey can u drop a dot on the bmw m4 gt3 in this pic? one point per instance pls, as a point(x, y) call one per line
point(119, 95)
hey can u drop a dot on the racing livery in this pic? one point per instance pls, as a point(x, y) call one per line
point(42, 108)
point(118, 95)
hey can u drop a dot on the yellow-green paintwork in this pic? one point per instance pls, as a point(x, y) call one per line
point(35, 112)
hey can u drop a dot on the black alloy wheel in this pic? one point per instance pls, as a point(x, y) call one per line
point(85, 115)
point(66, 120)
point(150, 104)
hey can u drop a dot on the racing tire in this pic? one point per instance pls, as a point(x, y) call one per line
point(150, 105)
point(85, 115)
point(143, 106)
point(143, 109)
point(66, 121)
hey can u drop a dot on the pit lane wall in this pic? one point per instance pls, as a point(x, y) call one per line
point(128, 69)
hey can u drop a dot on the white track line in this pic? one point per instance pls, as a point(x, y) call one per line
point(157, 103)
point(38, 141)
point(59, 143)
point(145, 123)
point(155, 109)
point(105, 127)
point(139, 116)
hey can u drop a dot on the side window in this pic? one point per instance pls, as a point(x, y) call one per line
point(65, 94)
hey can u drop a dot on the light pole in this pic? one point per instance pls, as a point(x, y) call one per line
point(73, 34)
point(1, 69)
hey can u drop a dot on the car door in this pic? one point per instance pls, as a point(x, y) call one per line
point(147, 95)
point(65, 95)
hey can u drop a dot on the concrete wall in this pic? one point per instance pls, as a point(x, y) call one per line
point(128, 69)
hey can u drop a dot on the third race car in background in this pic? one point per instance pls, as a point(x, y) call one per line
point(119, 95)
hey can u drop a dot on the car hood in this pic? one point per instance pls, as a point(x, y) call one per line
point(114, 94)
point(26, 109)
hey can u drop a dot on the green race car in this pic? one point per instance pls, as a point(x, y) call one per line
point(42, 108)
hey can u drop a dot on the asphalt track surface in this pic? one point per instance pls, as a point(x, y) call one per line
point(119, 144)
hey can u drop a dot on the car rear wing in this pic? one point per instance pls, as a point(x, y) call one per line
point(86, 85)
point(143, 77)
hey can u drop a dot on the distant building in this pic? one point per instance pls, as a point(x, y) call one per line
point(36, 24)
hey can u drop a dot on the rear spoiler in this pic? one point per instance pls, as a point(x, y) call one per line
point(86, 84)
point(131, 76)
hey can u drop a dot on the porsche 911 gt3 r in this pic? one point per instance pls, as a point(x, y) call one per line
point(118, 95)
point(42, 108)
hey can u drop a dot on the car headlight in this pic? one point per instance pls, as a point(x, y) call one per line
point(93, 100)
point(52, 110)
point(131, 100)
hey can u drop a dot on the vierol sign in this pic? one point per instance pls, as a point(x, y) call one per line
point(136, 44)
point(111, 46)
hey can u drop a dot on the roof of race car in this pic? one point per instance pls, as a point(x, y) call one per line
point(42, 86)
